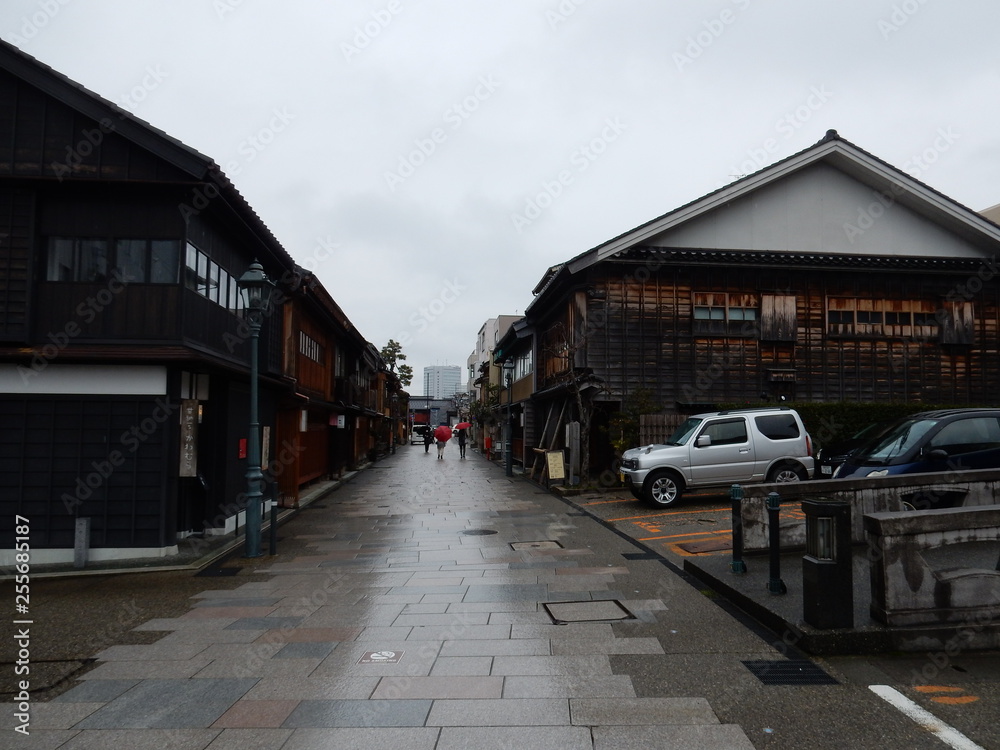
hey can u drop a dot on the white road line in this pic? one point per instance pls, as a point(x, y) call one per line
point(948, 735)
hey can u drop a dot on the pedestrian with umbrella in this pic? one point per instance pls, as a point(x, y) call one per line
point(460, 429)
point(442, 434)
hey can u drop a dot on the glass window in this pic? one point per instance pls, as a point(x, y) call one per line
point(727, 432)
point(778, 426)
point(62, 259)
point(131, 260)
point(93, 260)
point(163, 261)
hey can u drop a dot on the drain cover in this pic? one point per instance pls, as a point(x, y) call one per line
point(478, 532)
point(600, 611)
point(536, 545)
point(789, 672)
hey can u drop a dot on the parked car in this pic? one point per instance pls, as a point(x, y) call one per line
point(719, 449)
point(417, 435)
point(943, 440)
point(829, 458)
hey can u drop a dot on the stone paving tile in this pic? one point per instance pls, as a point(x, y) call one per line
point(721, 737)
point(499, 713)
point(39, 739)
point(367, 713)
point(498, 592)
point(549, 665)
point(459, 631)
point(263, 623)
point(342, 686)
point(412, 738)
point(141, 670)
point(506, 738)
point(310, 634)
point(55, 715)
point(501, 647)
point(153, 651)
point(462, 665)
point(231, 613)
point(305, 650)
point(568, 686)
point(192, 704)
point(251, 739)
point(253, 666)
point(465, 618)
point(142, 739)
point(632, 711)
point(235, 602)
point(256, 714)
point(394, 688)
point(100, 691)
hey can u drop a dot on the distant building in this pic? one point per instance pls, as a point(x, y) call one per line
point(442, 381)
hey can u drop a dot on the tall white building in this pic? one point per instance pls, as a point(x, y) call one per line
point(442, 381)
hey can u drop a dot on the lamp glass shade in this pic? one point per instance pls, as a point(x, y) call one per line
point(253, 283)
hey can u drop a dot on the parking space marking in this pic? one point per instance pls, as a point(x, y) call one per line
point(947, 734)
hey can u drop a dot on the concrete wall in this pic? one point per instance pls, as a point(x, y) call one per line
point(866, 496)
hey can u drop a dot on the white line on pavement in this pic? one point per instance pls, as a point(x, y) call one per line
point(948, 735)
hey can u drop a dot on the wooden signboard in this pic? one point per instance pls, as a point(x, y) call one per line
point(554, 462)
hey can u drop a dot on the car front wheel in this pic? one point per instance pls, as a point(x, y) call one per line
point(786, 473)
point(662, 489)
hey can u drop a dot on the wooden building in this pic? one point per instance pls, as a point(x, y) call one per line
point(828, 276)
point(124, 350)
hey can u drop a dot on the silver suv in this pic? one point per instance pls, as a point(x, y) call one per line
point(719, 449)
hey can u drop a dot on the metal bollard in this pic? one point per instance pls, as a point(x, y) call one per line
point(736, 495)
point(775, 585)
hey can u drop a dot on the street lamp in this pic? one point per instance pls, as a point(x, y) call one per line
point(393, 399)
point(254, 282)
point(508, 372)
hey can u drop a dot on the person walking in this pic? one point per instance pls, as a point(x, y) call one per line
point(461, 442)
point(441, 434)
point(428, 439)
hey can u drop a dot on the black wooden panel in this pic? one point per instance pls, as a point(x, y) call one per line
point(104, 458)
point(16, 212)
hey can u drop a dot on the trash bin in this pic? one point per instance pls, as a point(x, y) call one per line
point(827, 567)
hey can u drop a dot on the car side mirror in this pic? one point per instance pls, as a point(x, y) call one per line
point(703, 441)
point(937, 454)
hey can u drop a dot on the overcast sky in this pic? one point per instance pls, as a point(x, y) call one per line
point(430, 159)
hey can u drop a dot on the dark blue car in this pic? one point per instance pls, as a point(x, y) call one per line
point(947, 440)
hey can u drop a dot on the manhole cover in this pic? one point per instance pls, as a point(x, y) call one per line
point(789, 672)
point(478, 532)
point(536, 545)
point(600, 611)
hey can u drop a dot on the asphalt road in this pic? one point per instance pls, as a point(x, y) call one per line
point(961, 689)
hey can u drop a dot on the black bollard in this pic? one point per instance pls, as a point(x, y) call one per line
point(736, 495)
point(775, 585)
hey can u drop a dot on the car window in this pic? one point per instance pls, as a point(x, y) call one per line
point(778, 426)
point(684, 431)
point(727, 432)
point(898, 440)
point(967, 435)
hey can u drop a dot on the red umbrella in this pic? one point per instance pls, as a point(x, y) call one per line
point(442, 433)
point(463, 425)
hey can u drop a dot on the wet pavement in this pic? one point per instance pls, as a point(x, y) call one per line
point(424, 604)
point(431, 604)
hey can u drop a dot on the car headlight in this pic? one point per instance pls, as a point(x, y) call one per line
point(879, 473)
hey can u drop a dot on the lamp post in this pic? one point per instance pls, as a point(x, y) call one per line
point(393, 400)
point(254, 282)
point(508, 371)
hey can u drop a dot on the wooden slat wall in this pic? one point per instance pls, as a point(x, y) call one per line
point(639, 335)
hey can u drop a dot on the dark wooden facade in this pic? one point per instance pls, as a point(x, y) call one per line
point(121, 317)
point(766, 291)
